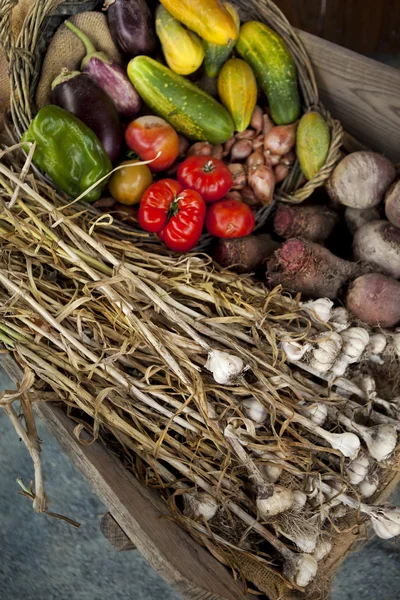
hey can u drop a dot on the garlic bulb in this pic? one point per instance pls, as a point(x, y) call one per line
point(225, 367)
point(348, 443)
point(255, 411)
point(357, 470)
point(299, 500)
point(340, 318)
point(199, 505)
point(381, 440)
point(317, 413)
point(270, 472)
point(339, 511)
point(294, 350)
point(396, 343)
point(305, 541)
point(301, 569)
point(320, 307)
point(369, 486)
point(322, 550)
point(355, 340)
point(377, 343)
point(280, 501)
point(325, 353)
point(367, 384)
point(386, 523)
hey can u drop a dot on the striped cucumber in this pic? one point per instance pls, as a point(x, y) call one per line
point(237, 89)
point(216, 55)
point(268, 55)
point(312, 143)
point(189, 109)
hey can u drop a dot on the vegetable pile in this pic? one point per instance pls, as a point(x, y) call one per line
point(268, 423)
point(154, 109)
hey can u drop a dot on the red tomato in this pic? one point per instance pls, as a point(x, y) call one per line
point(207, 175)
point(149, 135)
point(230, 219)
point(175, 214)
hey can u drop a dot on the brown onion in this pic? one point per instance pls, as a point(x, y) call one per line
point(257, 121)
point(228, 145)
point(268, 124)
point(262, 182)
point(281, 139)
point(289, 158)
point(200, 149)
point(247, 134)
point(256, 158)
point(249, 197)
point(281, 171)
point(238, 176)
point(361, 179)
point(241, 150)
point(218, 151)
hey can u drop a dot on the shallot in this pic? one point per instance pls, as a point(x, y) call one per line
point(238, 176)
point(262, 181)
point(280, 139)
point(241, 150)
point(281, 171)
point(200, 149)
point(257, 121)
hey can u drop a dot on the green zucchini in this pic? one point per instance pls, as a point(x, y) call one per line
point(268, 55)
point(312, 143)
point(216, 55)
point(189, 109)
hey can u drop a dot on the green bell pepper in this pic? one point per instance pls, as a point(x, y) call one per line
point(68, 151)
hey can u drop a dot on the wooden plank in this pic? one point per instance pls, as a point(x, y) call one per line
point(362, 93)
point(389, 35)
point(304, 14)
point(142, 515)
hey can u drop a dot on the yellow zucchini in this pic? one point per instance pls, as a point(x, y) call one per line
point(216, 55)
point(208, 18)
point(237, 89)
point(312, 143)
point(183, 49)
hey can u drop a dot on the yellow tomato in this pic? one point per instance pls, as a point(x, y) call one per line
point(128, 184)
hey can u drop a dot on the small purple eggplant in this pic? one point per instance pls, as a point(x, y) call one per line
point(81, 96)
point(132, 26)
point(109, 76)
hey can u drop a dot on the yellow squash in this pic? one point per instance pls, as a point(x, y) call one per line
point(208, 18)
point(216, 55)
point(237, 89)
point(183, 49)
point(312, 143)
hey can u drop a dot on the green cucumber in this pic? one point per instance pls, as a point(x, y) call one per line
point(313, 140)
point(189, 109)
point(269, 57)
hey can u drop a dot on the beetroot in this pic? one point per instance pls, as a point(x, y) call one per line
point(303, 266)
point(375, 299)
point(246, 254)
point(356, 218)
point(392, 204)
point(378, 243)
point(314, 223)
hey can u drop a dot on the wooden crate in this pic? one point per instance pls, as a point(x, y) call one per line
point(365, 95)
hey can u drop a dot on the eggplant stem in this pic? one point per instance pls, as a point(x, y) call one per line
point(90, 48)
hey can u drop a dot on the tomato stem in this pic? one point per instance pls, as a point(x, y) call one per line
point(208, 167)
point(173, 209)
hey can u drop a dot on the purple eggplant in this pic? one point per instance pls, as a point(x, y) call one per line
point(80, 95)
point(132, 26)
point(109, 76)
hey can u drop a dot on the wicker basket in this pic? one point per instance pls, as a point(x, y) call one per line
point(25, 57)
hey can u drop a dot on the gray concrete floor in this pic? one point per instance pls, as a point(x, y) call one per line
point(42, 558)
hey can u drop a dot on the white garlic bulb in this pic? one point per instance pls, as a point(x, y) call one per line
point(317, 413)
point(387, 523)
point(396, 343)
point(322, 550)
point(366, 383)
point(270, 472)
point(377, 343)
point(355, 340)
point(225, 367)
point(199, 505)
point(369, 486)
point(299, 500)
point(357, 470)
point(280, 501)
point(301, 570)
point(347, 443)
point(324, 355)
point(320, 307)
point(340, 318)
point(255, 411)
point(381, 440)
point(294, 350)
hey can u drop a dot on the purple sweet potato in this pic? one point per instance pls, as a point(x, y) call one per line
point(375, 299)
point(306, 267)
point(378, 243)
point(246, 254)
point(314, 223)
point(392, 204)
